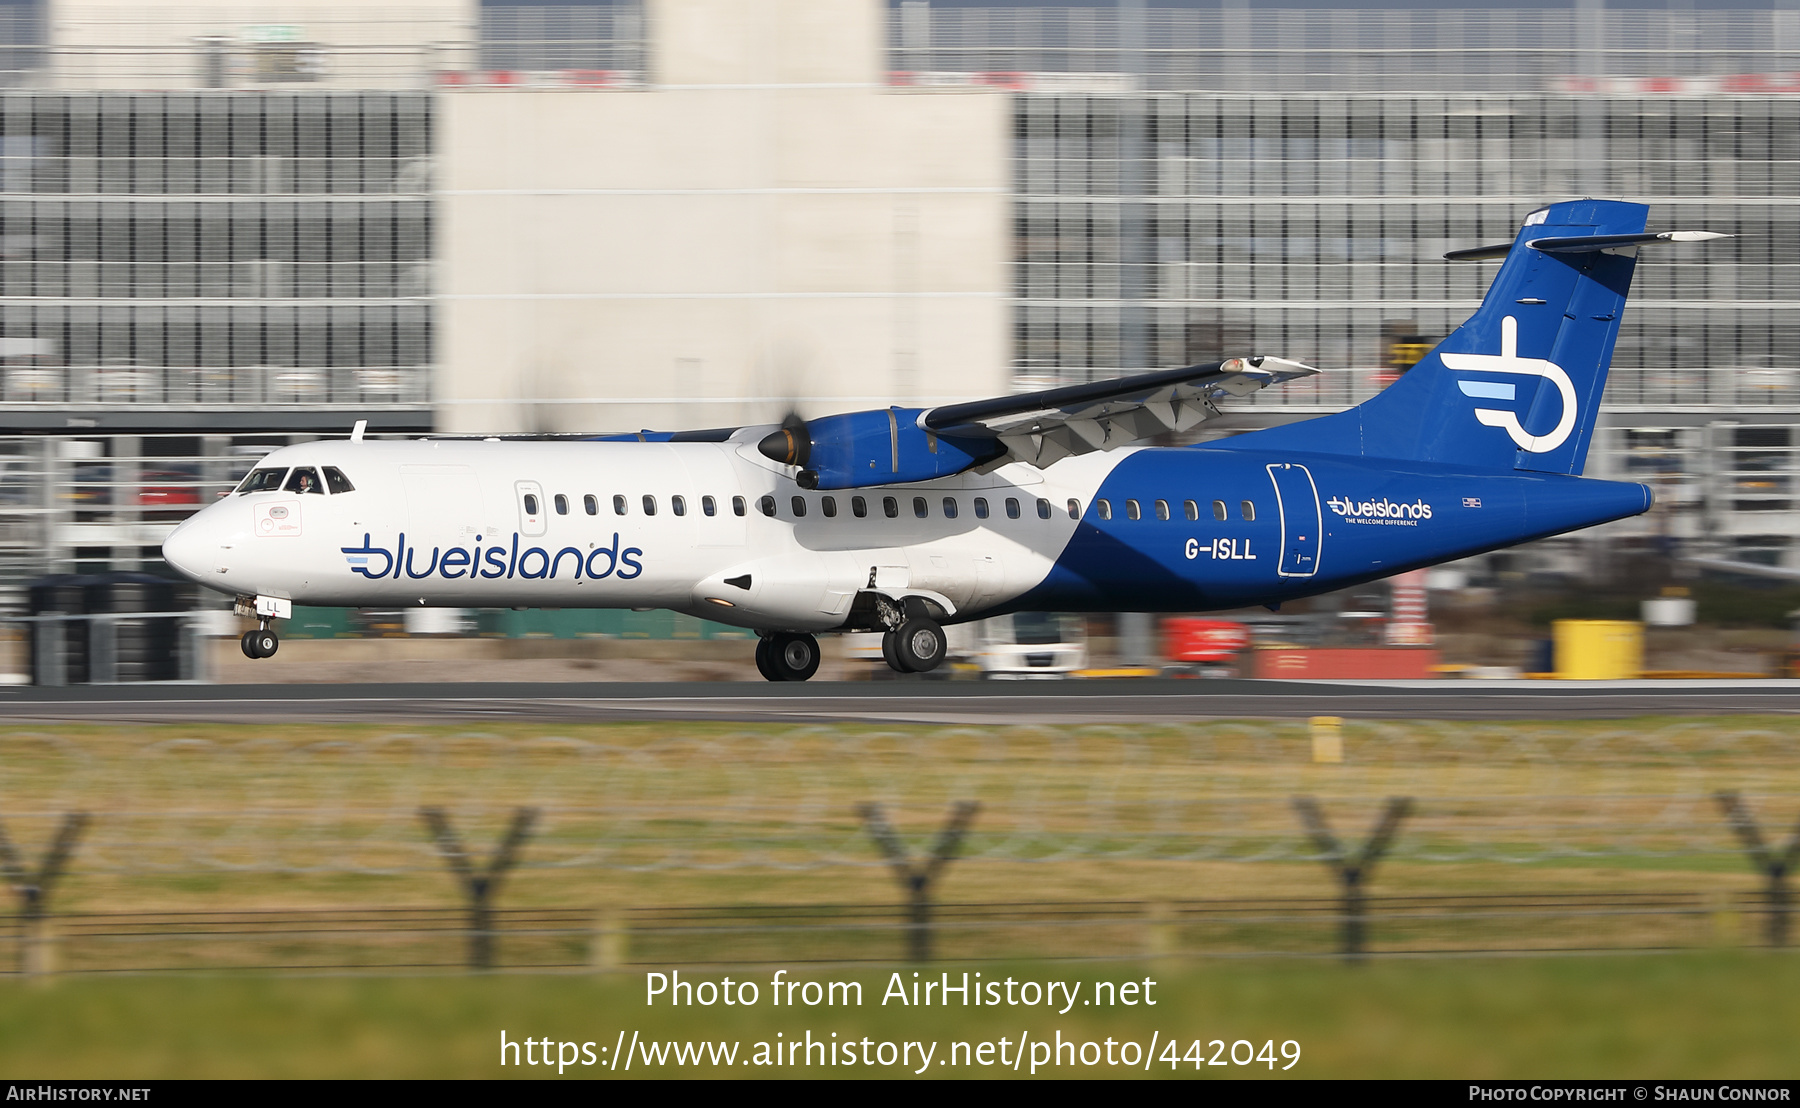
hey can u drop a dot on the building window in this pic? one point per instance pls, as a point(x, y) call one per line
point(1248, 509)
point(828, 505)
point(920, 508)
point(678, 505)
point(1012, 507)
point(859, 507)
point(981, 508)
point(618, 504)
point(766, 505)
point(709, 506)
point(562, 504)
point(799, 505)
point(591, 503)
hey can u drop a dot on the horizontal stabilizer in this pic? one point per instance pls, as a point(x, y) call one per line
point(1582, 244)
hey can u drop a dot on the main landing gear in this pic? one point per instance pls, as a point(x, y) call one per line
point(787, 656)
point(916, 646)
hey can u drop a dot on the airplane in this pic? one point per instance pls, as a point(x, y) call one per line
point(901, 520)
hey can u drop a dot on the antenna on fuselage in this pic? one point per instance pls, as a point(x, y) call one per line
point(356, 432)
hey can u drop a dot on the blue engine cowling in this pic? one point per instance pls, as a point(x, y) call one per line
point(861, 449)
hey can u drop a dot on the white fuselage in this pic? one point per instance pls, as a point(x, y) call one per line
point(450, 523)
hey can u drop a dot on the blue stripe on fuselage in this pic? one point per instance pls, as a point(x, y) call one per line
point(1378, 519)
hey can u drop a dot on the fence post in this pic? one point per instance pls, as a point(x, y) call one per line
point(915, 879)
point(33, 890)
point(481, 886)
point(1352, 873)
point(1773, 866)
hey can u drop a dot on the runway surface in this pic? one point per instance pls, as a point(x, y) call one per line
point(908, 701)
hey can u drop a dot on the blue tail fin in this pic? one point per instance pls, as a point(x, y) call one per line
point(1518, 386)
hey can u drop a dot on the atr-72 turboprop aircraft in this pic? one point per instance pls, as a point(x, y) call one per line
point(904, 519)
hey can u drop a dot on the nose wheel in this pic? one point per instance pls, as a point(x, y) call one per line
point(787, 656)
point(261, 643)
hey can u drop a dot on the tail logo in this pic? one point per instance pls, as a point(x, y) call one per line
point(1508, 361)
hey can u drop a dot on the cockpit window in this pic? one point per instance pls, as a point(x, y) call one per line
point(304, 479)
point(263, 480)
point(336, 481)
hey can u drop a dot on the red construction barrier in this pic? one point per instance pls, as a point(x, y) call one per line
point(1344, 663)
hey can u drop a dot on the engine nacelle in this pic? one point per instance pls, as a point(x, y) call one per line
point(860, 449)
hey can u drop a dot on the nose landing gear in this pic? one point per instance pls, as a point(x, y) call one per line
point(787, 656)
point(261, 643)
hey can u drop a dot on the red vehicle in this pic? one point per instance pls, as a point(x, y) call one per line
point(161, 490)
point(1205, 643)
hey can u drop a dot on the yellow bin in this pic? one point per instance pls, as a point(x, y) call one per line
point(1598, 649)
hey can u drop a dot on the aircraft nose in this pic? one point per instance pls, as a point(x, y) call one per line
point(187, 547)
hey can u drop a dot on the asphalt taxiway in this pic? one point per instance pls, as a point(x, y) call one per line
point(900, 701)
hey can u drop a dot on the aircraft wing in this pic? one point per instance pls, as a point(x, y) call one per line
point(1042, 427)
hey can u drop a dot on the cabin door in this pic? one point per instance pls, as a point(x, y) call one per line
point(1302, 522)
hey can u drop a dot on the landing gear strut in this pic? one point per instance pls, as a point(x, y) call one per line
point(787, 656)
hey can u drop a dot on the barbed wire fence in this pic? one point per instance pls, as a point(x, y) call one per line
point(809, 800)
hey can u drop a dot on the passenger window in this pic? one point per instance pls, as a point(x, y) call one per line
point(1219, 510)
point(981, 509)
point(649, 504)
point(305, 479)
point(709, 506)
point(1132, 511)
point(1162, 509)
point(920, 508)
point(859, 507)
point(678, 505)
point(766, 505)
point(562, 504)
point(1248, 509)
point(336, 481)
point(531, 505)
point(1102, 508)
point(591, 503)
point(828, 505)
point(1012, 507)
point(1190, 509)
point(618, 504)
point(1074, 509)
point(1044, 508)
point(890, 507)
point(949, 507)
point(799, 503)
point(737, 505)
point(263, 480)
